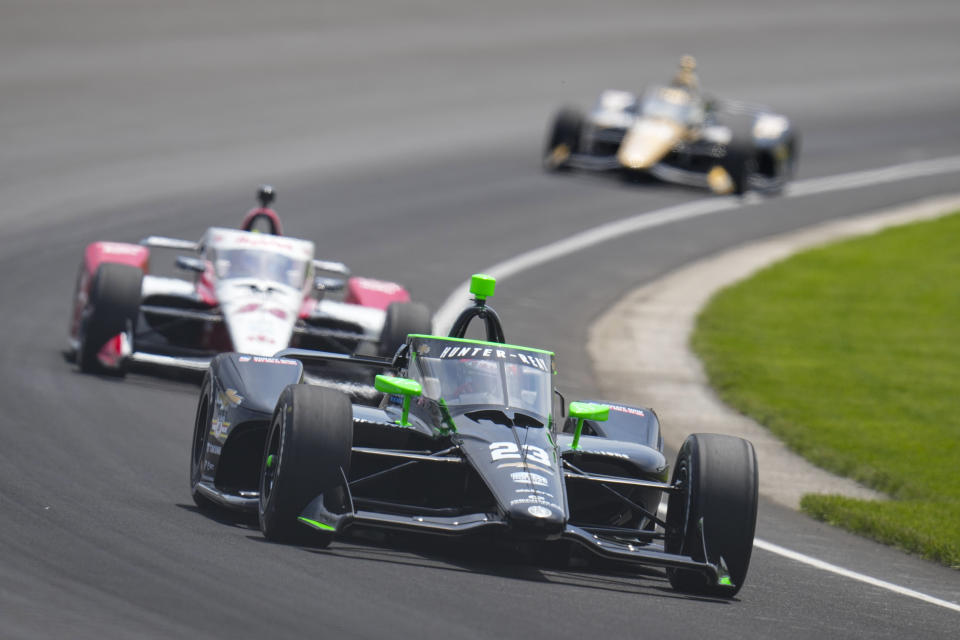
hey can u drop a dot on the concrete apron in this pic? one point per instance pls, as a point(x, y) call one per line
point(641, 355)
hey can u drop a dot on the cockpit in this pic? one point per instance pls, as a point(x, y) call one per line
point(672, 103)
point(471, 374)
point(259, 263)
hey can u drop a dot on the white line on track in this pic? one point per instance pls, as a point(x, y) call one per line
point(446, 314)
point(853, 575)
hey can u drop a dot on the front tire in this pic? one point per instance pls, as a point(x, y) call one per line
point(307, 454)
point(112, 308)
point(403, 318)
point(719, 480)
point(563, 139)
point(741, 164)
point(201, 427)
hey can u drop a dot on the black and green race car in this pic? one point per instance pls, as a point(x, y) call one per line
point(468, 437)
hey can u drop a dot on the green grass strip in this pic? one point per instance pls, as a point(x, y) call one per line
point(851, 355)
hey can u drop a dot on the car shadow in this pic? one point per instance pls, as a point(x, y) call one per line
point(480, 555)
point(238, 519)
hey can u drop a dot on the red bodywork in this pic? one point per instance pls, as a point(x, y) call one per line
point(374, 293)
point(96, 254)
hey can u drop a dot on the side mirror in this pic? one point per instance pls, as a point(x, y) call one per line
point(586, 411)
point(399, 386)
point(191, 264)
point(323, 284)
point(331, 266)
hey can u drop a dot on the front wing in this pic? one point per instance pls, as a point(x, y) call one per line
point(623, 545)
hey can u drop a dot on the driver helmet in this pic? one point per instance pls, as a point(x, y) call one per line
point(686, 75)
point(282, 269)
point(478, 382)
point(524, 386)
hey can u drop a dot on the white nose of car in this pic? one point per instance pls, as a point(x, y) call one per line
point(260, 315)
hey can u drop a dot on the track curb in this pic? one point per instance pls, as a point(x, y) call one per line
point(641, 355)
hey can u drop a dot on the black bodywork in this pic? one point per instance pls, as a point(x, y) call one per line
point(459, 468)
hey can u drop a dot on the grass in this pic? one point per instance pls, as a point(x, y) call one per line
point(851, 355)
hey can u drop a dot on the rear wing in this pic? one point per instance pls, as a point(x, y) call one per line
point(161, 242)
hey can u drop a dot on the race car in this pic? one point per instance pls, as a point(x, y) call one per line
point(252, 290)
point(675, 134)
point(458, 436)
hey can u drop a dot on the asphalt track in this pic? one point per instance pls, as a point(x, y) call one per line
point(403, 140)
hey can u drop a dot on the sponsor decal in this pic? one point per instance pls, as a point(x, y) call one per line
point(265, 360)
point(524, 465)
point(120, 248)
point(214, 449)
point(612, 454)
point(260, 240)
point(525, 477)
point(381, 286)
point(537, 500)
point(499, 354)
point(536, 491)
point(630, 410)
point(229, 397)
point(510, 450)
point(538, 512)
point(219, 428)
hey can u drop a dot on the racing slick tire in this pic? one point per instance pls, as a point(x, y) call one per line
point(201, 427)
point(113, 305)
point(307, 454)
point(788, 168)
point(715, 509)
point(563, 139)
point(741, 164)
point(403, 318)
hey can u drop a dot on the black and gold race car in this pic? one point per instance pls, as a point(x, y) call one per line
point(676, 134)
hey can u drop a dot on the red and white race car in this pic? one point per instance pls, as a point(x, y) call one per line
point(252, 291)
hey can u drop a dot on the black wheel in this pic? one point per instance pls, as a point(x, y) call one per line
point(787, 164)
point(201, 427)
point(716, 509)
point(741, 164)
point(777, 166)
point(563, 139)
point(113, 306)
point(403, 318)
point(308, 444)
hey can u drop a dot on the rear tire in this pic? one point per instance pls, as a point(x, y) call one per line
point(113, 306)
point(563, 139)
point(403, 318)
point(719, 478)
point(310, 441)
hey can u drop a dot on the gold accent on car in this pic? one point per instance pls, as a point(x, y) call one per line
point(648, 141)
point(558, 155)
point(720, 181)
